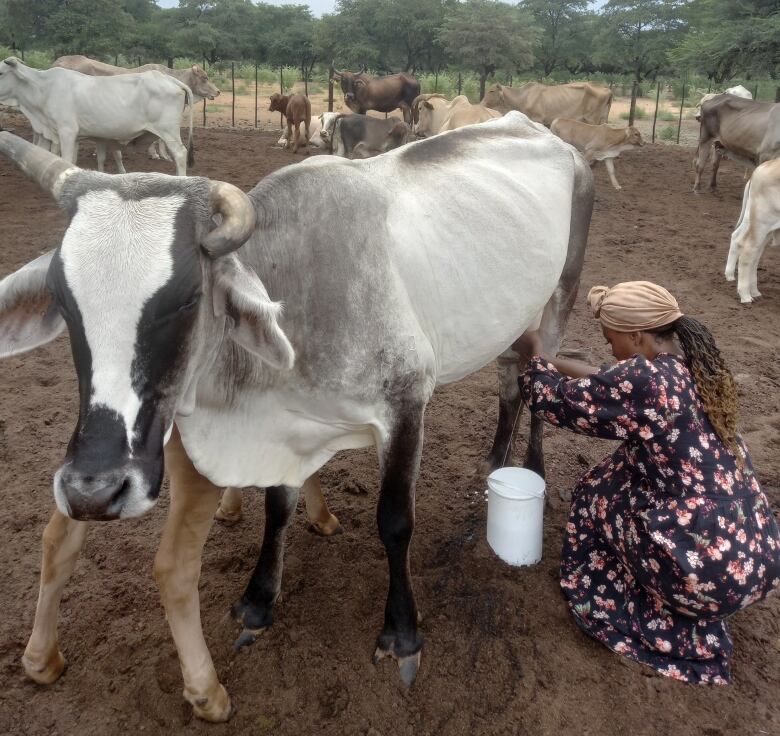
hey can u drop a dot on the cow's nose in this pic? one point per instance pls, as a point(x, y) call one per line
point(216, 94)
point(98, 496)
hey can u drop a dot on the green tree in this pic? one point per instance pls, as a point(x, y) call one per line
point(295, 41)
point(89, 27)
point(637, 36)
point(559, 22)
point(727, 38)
point(484, 35)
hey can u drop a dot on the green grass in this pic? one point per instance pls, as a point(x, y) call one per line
point(667, 133)
point(639, 114)
point(666, 115)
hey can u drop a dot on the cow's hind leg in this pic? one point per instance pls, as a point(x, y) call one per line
point(63, 539)
point(320, 518)
point(177, 571)
point(255, 608)
point(400, 465)
point(229, 511)
point(609, 163)
point(551, 330)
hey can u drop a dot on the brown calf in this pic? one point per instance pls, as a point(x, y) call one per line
point(296, 109)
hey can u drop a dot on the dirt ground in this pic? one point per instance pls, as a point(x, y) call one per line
point(502, 655)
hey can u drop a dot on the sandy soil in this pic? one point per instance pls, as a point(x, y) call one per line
point(502, 655)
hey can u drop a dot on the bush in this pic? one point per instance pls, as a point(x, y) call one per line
point(668, 133)
point(639, 114)
point(666, 115)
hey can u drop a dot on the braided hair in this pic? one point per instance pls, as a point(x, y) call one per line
point(714, 381)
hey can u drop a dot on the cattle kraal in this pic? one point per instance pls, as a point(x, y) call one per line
point(454, 255)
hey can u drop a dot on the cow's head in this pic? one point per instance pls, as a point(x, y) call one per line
point(494, 97)
point(9, 80)
point(351, 85)
point(148, 289)
point(278, 103)
point(201, 84)
point(633, 137)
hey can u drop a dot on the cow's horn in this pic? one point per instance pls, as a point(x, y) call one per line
point(238, 219)
point(48, 170)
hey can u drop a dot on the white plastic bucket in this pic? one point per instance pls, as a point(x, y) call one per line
point(515, 515)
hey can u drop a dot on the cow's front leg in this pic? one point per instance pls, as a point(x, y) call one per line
point(510, 406)
point(400, 465)
point(255, 608)
point(63, 539)
point(177, 571)
point(610, 164)
point(699, 163)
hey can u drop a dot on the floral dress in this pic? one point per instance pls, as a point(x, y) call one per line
point(667, 536)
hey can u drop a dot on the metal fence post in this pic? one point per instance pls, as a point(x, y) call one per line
point(777, 94)
point(233, 90)
point(255, 95)
point(460, 82)
point(682, 103)
point(204, 112)
point(330, 87)
point(281, 92)
point(655, 114)
point(755, 93)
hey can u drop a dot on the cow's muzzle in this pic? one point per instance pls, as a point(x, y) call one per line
point(122, 493)
point(349, 96)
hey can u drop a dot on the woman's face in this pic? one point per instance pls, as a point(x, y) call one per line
point(624, 344)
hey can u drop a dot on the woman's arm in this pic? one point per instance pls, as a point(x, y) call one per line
point(531, 341)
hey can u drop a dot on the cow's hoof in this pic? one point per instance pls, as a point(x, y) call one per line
point(408, 666)
point(746, 299)
point(47, 672)
point(214, 709)
point(254, 619)
point(730, 276)
point(755, 293)
point(328, 528)
point(229, 518)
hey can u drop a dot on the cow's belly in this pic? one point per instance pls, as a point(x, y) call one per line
point(480, 267)
point(275, 437)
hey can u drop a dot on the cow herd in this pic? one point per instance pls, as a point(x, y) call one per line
point(226, 338)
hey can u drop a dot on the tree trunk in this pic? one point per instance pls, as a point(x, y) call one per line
point(482, 79)
point(170, 62)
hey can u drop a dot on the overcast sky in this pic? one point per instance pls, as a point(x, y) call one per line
point(318, 7)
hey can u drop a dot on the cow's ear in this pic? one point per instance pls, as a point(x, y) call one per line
point(252, 317)
point(28, 315)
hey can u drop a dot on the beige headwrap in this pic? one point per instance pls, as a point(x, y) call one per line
point(633, 306)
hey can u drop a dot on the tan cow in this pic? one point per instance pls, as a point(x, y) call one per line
point(431, 110)
point(468, 115)
point(543, 103)
point(759, 223)
point(296, 109)
point(598, 142)
point(194, 76)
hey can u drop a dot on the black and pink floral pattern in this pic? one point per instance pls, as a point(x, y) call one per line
point(667, 536)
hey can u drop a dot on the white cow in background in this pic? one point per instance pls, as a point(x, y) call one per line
point(738, 91)
point(759, 223)
point(63, 106)
point(318, 124)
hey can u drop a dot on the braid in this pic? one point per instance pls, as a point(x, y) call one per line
point(714, 381)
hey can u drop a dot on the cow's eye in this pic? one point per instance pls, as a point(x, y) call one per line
point(188, 306)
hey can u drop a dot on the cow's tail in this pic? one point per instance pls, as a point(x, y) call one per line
point(743, 212)
point(190, 142)
point(189, 100)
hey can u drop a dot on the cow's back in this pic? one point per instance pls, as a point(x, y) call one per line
point(437, 235)
point(770, 144)
point(92, 67)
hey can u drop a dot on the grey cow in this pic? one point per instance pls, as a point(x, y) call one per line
point(458, 243)
point(362, 136)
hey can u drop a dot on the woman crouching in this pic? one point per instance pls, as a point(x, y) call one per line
point(671, 534)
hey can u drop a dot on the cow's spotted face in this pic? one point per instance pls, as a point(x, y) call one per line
point(127, 279)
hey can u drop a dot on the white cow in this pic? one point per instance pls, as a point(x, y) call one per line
point(758, 224)
point(739, 91)
point(433, 271)
point(318, 124)
point(63, 106)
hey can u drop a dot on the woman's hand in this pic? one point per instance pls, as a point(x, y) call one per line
point(529, 342)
